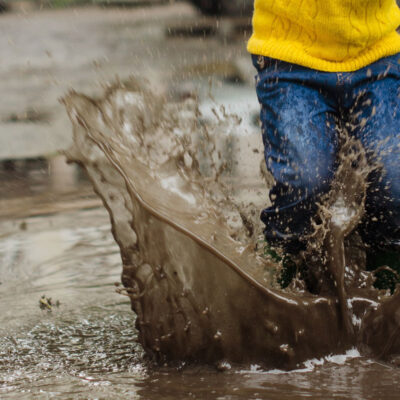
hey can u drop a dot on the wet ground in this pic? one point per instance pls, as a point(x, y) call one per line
point(55, 236)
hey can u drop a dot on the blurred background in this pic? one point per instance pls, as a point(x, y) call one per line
point(210, 7)
point(182, 48)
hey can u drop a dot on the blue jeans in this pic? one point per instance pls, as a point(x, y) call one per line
point(300, 111)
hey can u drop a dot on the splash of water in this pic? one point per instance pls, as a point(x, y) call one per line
point(187, 227)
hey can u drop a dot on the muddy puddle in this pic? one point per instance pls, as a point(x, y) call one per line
point(87, 347)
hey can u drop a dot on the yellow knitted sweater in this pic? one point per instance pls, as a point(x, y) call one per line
point(328, 35)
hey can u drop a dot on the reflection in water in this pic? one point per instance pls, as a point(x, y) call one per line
point(38, 175)
point(63, 176)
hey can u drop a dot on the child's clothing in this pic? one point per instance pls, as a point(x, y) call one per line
point(304, 94)
point(328, 35)
point(299, 110)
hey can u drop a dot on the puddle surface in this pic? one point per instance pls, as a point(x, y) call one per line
point(87, 347)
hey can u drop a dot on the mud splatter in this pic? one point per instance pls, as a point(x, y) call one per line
point(187, 227)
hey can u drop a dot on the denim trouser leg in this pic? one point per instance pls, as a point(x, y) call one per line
point(375, 117)
point(300, 108)
point(300, 145)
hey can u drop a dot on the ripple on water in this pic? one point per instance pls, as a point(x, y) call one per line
point(92, 347)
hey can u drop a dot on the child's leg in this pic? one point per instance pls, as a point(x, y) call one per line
point(376, 115)
point(300, 142)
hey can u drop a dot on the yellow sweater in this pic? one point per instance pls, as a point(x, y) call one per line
point(328, 35)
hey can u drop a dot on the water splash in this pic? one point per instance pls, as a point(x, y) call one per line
point(199, 289)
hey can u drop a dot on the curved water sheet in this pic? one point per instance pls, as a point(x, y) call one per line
point(184, 209)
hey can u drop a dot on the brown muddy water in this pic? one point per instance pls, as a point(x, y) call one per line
point(87, 347)
point(56, 241)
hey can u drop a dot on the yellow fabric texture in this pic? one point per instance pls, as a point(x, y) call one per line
point(327, 35)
